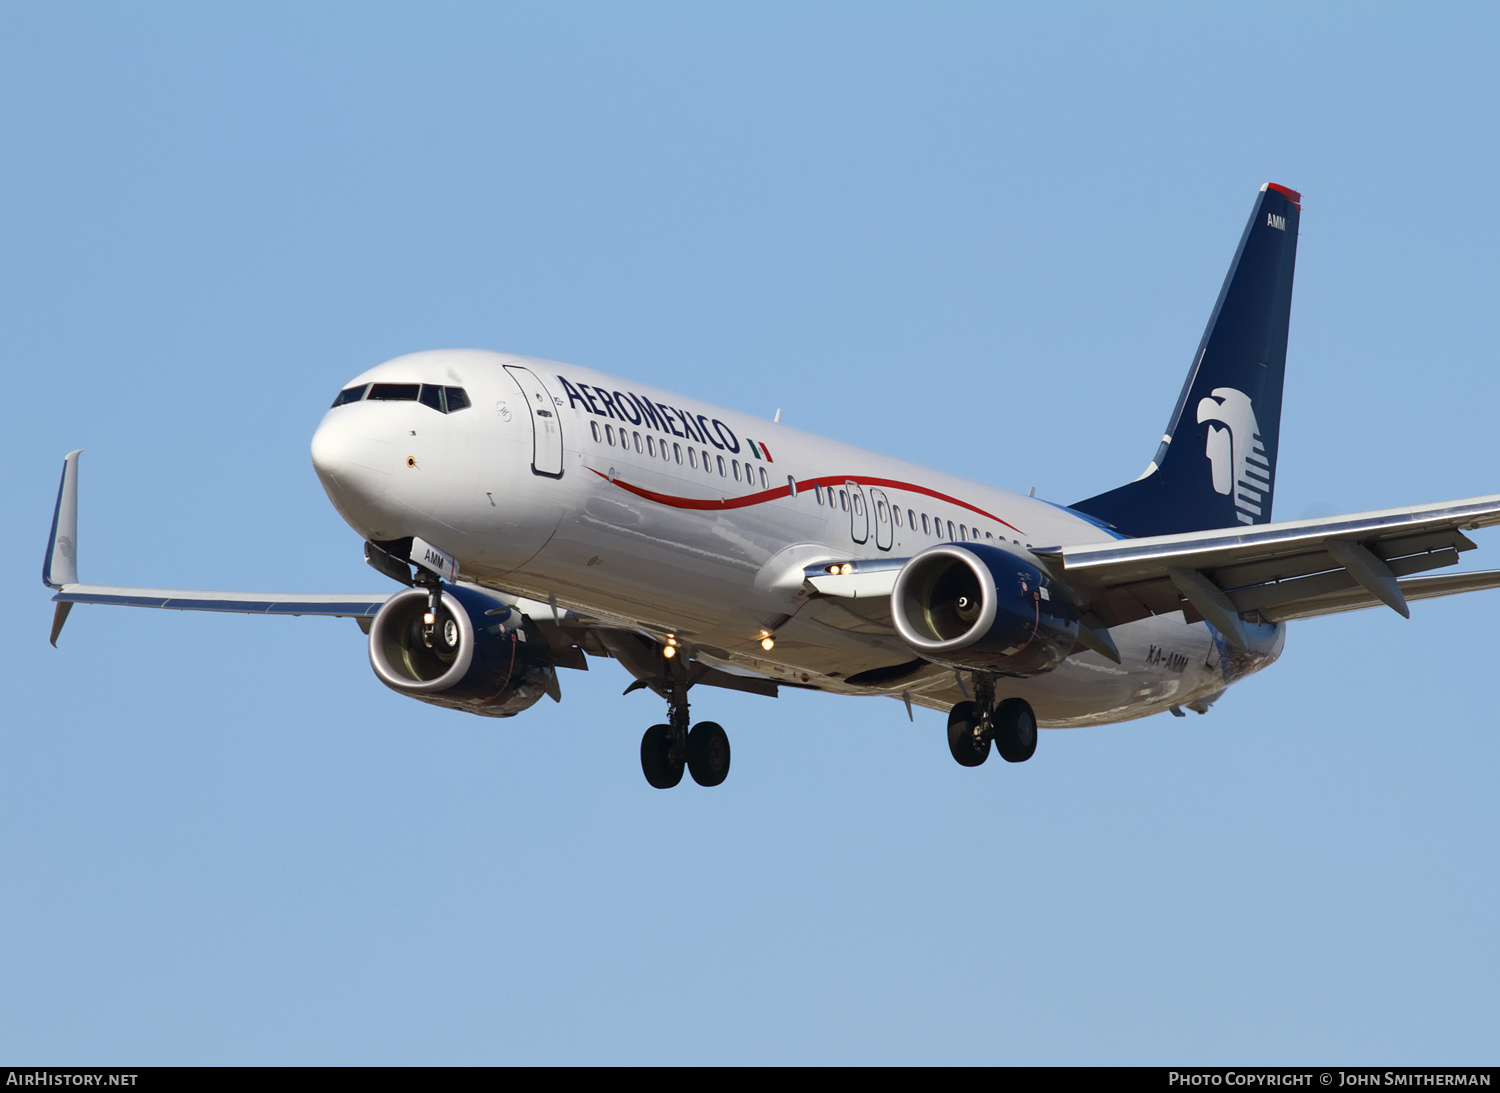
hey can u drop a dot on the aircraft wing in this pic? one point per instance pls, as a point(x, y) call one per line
point(60, 573)
point(565, 630)
point(1290, 570)
point(338, 605)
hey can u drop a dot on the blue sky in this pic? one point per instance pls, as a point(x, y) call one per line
point(983, 237)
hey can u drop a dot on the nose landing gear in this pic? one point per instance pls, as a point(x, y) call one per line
point(973, 725)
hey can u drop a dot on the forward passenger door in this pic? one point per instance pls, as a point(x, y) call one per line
point(546, 428)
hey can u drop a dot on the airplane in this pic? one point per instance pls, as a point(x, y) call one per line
point(535, 515)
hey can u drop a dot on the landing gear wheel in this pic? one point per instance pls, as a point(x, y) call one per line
point(968, 746)
point(708, 753)
point(657, 758)
point(1015, 730)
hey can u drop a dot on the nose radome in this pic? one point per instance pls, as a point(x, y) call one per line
point(350, 466)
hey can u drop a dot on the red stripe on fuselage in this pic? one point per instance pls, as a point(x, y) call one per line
point(763, 496)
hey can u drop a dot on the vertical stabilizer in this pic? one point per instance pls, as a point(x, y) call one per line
point(1216, 464)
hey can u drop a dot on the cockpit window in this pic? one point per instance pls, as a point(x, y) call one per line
point(394, 392)
point(350, 394)
point(445, 400)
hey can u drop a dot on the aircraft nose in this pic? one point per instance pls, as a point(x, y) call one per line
point(353, 467)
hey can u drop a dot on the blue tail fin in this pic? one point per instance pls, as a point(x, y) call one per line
point(1216, 466)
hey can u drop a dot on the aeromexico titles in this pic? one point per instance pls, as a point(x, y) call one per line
point(536, 515)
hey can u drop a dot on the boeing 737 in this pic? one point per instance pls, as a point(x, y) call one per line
point(532, 515)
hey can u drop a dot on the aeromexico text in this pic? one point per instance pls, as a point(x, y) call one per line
point(636, 410)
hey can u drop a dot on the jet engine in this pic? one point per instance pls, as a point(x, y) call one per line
point(983, 608)
point(474, 653)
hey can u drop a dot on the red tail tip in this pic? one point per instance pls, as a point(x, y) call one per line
point(1285, 191)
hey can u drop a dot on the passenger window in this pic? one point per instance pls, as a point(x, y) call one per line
point(708, 464)
point(963, 533)
point(818, 492)
point(791, 485)
point(975, 532)
point(677, 453)
point(911, 519)
point(609, 431)
point(925, 529)
point(765, 483)
point(692, 459)
point(844, 500)
point(987, 535)
point(650, 445)
point(950, 530)
point(735, 463)
point(594, 425)
point(350, 394)
point(624, 440)
point(637, 443)
point(721, 468)
point(394, 392)
point(458, 399)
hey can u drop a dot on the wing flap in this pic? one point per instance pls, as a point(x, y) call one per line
point(1357, 599)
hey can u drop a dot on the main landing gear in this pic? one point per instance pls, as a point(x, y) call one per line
point(972, 725)
point(666, 749)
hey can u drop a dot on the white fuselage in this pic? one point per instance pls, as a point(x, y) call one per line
point(670, 516)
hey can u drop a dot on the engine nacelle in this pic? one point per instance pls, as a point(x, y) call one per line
point(983, 608)
point(491, 664)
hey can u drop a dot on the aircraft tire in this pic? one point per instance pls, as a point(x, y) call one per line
point(961, 721)
point(1015, 730)
point(708, 753)
point(656, 758)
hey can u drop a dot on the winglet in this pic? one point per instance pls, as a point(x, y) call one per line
point(60, 566)
point(59, 617)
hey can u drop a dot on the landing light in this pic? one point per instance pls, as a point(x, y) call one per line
point(428, 619)
point(768, 643)
point(846, 569)
point(669, 652)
